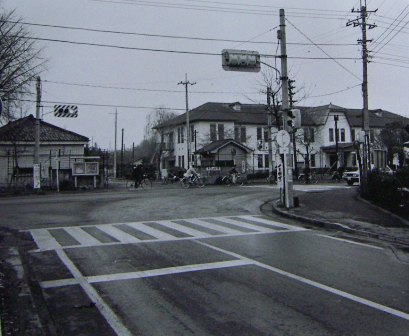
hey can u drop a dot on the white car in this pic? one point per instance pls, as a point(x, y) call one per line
point(351, 177)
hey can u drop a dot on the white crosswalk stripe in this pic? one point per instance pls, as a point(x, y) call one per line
point(162, 230)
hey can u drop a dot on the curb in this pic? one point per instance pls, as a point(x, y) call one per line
point(335, 226)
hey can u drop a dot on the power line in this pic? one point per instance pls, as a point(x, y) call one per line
point(330, 57)
point(251, 40)
point(95, 105)
point(141, 34)
point(141, 89)
point(173, 51)
point(335, 92)
point(222, 9)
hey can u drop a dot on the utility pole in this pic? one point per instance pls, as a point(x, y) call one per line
point(336, 118)
point(366, 154)
point(122, 154)
point(287, 199)
point(37, 123)
point(269, 126)
point(37, 165)
point(116, 124)
point(291, 94)
point(186, 83)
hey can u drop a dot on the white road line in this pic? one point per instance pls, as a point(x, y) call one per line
point(81, 236)
point(274, 223)
point(352, 242)
point(104, 308)
point(151, 231)
point(44, 240)
point(222, 229)
point(184, 229)
point(315, 284)
point(248, 225)
point(122, 236)
point(167, 271)
point(58, 283)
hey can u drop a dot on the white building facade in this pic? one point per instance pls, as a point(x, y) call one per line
point(327, 137)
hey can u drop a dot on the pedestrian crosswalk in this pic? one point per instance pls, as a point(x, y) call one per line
point(152, 231)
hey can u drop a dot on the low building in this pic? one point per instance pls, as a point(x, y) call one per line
point(326, 139)
point(59, 151)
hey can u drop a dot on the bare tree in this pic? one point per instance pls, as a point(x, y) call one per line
point(156, 117)
point(20, 63)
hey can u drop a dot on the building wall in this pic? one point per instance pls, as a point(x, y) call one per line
point(321, 136)
point(25, 159)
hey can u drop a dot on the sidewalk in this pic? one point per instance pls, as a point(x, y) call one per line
point(344, 210)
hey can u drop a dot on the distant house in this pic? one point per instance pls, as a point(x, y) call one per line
point(59, 149)
point(327, 132)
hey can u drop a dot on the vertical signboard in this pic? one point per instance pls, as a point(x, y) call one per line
point(36, 176)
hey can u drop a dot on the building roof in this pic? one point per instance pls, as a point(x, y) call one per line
point(219, 144)
point(257, 114)
point(236, 112)
point(24, 130)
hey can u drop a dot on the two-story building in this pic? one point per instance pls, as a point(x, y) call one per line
point(223, 135)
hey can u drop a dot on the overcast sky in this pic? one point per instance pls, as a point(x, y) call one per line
point(99, 78)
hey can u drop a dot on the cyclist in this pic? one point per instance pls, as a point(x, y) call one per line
point(233, 174)
point(191, 174)
point(137, 174)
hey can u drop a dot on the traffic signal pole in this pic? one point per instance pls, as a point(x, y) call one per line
point(287, 195)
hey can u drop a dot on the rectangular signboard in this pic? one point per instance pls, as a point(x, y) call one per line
point(85, 168)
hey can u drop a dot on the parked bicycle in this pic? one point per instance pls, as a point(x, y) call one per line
point(191, 181)
point(271, 179)
point(308, 179)
point(233, 179)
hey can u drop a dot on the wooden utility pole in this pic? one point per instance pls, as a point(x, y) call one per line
point(366, 153)
point(37, 123)
point(186, 83)
point(287, 199)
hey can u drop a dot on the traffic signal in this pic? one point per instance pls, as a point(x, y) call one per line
point(240, 60)
point(259, 144)
point(294, 118)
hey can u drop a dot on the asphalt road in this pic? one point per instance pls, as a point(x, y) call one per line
point(206, 261)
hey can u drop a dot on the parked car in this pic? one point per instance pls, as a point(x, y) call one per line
point(351, 176)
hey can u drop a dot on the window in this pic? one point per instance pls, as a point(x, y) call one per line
point(240, 133)
point(352, 135)
point(331, 135)
point(220, 131)
point(266, 160)
point(259, 133)
point(266, 134)
point(237, 133)
point(170, 142)
point(181, 134)
point(312, 160)
point(192, 133)
point(243, 137)
point(309, 135)
point(260, 160)
point(371, 136)
point(342, 134)
point(213, 134)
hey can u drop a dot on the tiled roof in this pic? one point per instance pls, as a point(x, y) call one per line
point(256, 114)
point(218, 144)
point(248, 114)
point(24, 130)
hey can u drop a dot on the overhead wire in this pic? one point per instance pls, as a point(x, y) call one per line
point(388, 31)
point(330, 57)
point(170, 50)
point(251, 40)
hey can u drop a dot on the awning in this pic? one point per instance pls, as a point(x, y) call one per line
point(342, 147)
